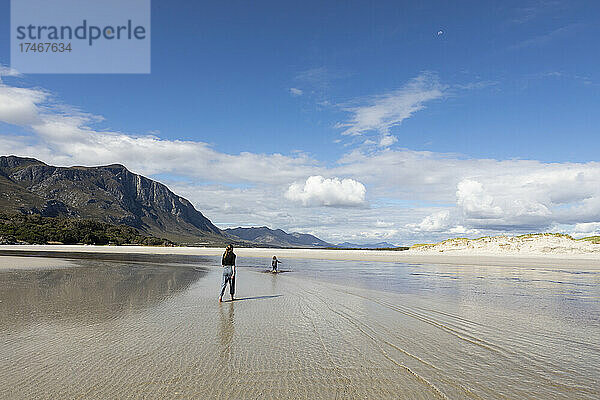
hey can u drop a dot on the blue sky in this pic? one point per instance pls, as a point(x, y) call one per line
point(464, 82)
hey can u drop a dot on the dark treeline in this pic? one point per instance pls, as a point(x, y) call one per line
point(35, 229)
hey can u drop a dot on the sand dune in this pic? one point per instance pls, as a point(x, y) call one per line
point(533, 245)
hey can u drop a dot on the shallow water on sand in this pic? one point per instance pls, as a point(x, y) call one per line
point(150, 327)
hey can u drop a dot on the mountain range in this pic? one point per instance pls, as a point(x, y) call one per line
point(108, 193)
point(277, 238)
point(379, 245)
point(115, 195)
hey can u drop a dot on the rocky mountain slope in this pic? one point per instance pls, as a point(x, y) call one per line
point(108, 193)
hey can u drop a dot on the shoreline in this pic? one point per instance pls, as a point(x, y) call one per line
point(537, 260)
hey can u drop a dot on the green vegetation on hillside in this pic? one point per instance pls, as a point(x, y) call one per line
point(35, 229)
point(414, 246)
point(533, 235)
point(593, 239)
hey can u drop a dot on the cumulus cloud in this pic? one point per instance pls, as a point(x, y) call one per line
point(436, 222)
point(534, 199)
point(461, 230)
point(442, 224)
point(330, 192)
point(387, 140)
point(381, 113)
point(475, 202)
point(586, 229)
point(511, 193)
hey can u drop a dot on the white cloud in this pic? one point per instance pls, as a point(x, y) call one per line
point(331, 192)
point(296, 92)
point(380, 113)
point(442, 224)
point(7, 71)
point(475, 202)
point(19, 106)
point(532, 199)
point(436, 222)
point(387, 140)
point(461, 230)
point(586, 229)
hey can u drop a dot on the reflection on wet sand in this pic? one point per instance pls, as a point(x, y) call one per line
point(226, 331)
point(87, 294)
point(123, 257)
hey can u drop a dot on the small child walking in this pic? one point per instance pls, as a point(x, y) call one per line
point(274, 264)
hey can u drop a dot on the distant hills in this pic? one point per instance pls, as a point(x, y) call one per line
point(277, 237)
point(380, 245)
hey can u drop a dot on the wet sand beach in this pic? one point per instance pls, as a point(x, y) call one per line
point(150, 327)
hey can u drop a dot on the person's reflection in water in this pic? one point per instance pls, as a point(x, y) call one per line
point(274, 283)
point(226, 331)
